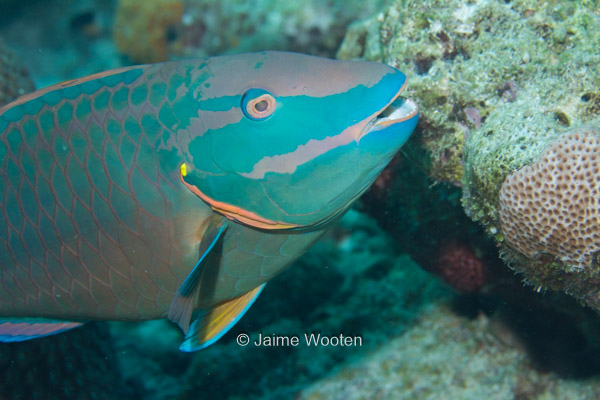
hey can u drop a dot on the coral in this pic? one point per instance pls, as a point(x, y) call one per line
point(423, 219)
point(496, 83)
point(14, 77)
point(553, 205)
point(460, 268)
point(142, 28)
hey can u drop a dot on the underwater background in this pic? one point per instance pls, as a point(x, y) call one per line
point(451, 291)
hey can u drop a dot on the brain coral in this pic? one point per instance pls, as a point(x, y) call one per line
point(552, 206)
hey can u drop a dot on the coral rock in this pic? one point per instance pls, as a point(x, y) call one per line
point(460, 268)
point(553, 206)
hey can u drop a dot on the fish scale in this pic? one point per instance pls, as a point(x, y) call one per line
point(93, 186)
point(75, 225)
point(152, 191)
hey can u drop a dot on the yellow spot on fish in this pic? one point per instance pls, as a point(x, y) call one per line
point(183, 170)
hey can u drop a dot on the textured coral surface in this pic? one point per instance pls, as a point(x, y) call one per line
point(497, 82)
point(553, 205)
point(460, 268)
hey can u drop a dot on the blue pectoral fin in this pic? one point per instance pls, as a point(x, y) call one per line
point(213, 323)
point(21, 329)
point(210, 250)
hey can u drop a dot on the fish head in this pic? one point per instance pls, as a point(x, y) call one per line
point(289, 141)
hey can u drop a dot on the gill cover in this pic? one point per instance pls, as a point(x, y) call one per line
point(285, 139)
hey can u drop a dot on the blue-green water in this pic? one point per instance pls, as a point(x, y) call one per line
point(390, 323)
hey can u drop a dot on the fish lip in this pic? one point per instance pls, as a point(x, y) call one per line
point(397, 110)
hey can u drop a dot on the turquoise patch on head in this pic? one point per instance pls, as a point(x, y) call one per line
point(223, 103)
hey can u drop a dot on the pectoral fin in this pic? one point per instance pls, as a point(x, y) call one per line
point(211, 324)
point(210, 249)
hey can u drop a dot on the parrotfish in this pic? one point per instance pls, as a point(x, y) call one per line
point(179, 189)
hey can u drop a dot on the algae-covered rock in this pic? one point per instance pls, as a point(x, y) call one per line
point(497, 84)
point(448, 356)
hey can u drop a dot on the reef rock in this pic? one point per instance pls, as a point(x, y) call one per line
point(499, 83)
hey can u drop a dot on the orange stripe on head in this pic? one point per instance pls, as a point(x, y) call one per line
point(235, 213)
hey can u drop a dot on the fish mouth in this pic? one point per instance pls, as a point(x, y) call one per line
point(399, 109)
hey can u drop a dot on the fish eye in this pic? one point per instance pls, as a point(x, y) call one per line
point(258, 104)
